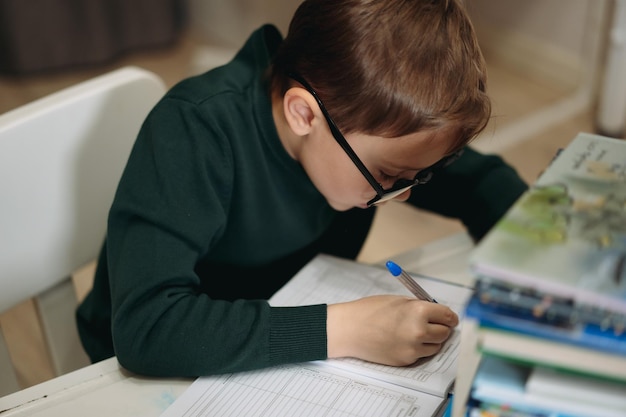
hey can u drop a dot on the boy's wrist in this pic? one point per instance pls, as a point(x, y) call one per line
point(338, 334)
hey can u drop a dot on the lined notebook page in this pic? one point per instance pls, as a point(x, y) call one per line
point(331, 280)
point(299, 390)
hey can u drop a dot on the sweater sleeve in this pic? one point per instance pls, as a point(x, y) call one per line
point(171, 205)
point(476, 189)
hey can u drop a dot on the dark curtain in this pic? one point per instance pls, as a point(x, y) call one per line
point(40, 35)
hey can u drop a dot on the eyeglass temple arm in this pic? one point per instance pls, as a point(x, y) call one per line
point(355, 159)
point(341, 140)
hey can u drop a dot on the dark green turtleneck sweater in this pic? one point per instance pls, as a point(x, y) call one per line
point(212, 216)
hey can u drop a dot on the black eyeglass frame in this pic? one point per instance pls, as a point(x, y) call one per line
point(422, 177)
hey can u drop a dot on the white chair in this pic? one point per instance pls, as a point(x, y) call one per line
point(60, 160)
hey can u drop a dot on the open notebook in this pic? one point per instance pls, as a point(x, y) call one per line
point(335, 387)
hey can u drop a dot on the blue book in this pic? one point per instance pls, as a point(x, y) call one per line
point(504, 388)
point(448, 410)
point(523, 320)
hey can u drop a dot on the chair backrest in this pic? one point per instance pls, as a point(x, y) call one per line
point(61, 158)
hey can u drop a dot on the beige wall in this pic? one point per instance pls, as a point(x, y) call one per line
point(555, 40)
point(229, 22)
point(562, 23)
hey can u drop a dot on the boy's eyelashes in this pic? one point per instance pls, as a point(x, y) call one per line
point(386, 177)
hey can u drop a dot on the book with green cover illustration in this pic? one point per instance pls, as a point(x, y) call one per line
point(567, 234)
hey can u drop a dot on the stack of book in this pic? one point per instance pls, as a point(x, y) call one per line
point(544, 332)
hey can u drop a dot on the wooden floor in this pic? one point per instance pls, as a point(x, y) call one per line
point(397, 228)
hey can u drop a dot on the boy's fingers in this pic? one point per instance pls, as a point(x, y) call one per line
point(440, 314)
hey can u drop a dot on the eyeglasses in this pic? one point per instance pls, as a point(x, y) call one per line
point(400, 186)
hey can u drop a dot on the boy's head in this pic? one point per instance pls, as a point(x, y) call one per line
point(389, 67)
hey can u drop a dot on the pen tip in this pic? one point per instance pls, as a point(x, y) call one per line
point(394, 268)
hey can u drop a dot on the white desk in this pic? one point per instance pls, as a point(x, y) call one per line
point(105, 389)
point(101, 389)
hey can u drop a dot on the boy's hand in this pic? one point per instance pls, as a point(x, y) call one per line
point(388, 329)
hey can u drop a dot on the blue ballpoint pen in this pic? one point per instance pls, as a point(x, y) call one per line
point(409, 282)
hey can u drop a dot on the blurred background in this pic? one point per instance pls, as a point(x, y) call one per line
point(570, 46)
point(556, 68)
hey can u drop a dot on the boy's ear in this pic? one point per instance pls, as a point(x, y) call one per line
point(299, 107)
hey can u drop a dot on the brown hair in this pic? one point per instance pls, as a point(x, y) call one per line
point(388, 67)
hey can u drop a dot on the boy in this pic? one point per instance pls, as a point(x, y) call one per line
point(241, 175)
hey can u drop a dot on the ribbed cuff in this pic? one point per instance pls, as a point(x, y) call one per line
point(297, 334)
